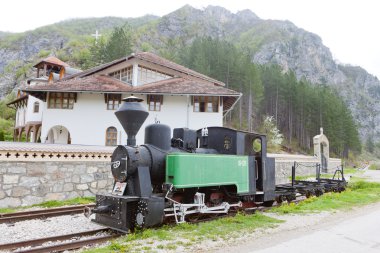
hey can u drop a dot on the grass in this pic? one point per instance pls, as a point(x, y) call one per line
point(181, 236)
point(358, 193)
point(53, 203)
point(374, 166)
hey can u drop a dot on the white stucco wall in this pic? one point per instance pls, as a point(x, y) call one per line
point(88, 121)
point(30, 115)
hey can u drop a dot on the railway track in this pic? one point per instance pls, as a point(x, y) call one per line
point(42, 213)
point(62, 242)
point(87, 238)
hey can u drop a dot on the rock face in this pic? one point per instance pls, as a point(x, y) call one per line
point(269, 41)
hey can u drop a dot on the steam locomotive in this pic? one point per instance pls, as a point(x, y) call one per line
point(196, 172)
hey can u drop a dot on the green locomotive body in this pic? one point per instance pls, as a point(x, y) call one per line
point(185, 170)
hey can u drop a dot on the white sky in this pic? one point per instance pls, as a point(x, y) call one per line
point(350, 28)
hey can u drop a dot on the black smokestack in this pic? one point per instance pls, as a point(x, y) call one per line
point(131, 115)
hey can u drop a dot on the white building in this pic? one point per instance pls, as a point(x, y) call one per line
point(29, 109)
point(79, 108)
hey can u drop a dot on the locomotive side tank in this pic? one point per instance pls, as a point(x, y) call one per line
point(205, 171)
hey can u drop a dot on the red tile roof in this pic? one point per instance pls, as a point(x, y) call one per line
point(180, 85)
point(149, 57)
point(175, 86)
point(95, 83)
point(52, 60)
point(152, 58)
point(103, 83)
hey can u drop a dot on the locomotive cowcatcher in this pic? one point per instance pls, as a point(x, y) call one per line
point(195, 172)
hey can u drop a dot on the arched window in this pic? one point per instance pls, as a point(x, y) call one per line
point(111, 136)
point(36, 107)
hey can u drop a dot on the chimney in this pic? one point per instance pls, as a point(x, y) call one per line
point(132, 115)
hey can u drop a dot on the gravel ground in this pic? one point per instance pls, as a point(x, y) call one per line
point(34, 229)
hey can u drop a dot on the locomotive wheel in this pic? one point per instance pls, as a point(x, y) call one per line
point(268, 203)
point(141, 212)
point(194, 217)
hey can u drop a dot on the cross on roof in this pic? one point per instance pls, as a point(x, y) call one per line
point(96, 35)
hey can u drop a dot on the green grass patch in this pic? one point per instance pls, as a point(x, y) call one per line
point(374, 166)
point(53, 203)
point(358, 193)
point(69, 202)
point(181, 236)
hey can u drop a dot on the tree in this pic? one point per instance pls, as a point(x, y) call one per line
point(118, 45)
point(370, 146)
point(274, 137)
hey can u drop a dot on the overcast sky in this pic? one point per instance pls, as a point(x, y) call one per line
point(350, 28)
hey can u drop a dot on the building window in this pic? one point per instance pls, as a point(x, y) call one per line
point(36, 107)
point(113, 101)
point(124, 74)
point(111, 136)
point(61, 100)
point(146, 75)
point(205, 104)
point(155, 102)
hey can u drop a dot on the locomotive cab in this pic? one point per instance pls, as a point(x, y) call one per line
point(253, 145)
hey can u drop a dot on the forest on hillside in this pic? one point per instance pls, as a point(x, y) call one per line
point(273, 102)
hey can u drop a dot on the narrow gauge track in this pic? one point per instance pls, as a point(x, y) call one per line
point(42, 213)
point(60, 242)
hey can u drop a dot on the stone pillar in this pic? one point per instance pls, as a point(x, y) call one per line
point(324, 156)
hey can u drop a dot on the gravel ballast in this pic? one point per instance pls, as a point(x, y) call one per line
point(34, 229)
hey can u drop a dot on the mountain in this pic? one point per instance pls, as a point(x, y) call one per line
point(267, 41)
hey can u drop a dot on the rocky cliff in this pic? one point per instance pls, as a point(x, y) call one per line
point(268, 41)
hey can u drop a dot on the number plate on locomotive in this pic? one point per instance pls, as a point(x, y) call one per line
point(119, 188)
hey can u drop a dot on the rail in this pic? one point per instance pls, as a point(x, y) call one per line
point(30, 245)
point(42, 213)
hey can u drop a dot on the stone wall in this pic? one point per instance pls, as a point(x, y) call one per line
point(27, 183)
point(306, 166)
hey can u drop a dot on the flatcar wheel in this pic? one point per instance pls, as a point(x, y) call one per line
point(318, 192)
point(279, 199)
point(290, 198)
point(141, 212)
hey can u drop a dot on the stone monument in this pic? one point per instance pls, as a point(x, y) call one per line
point(321, 149)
